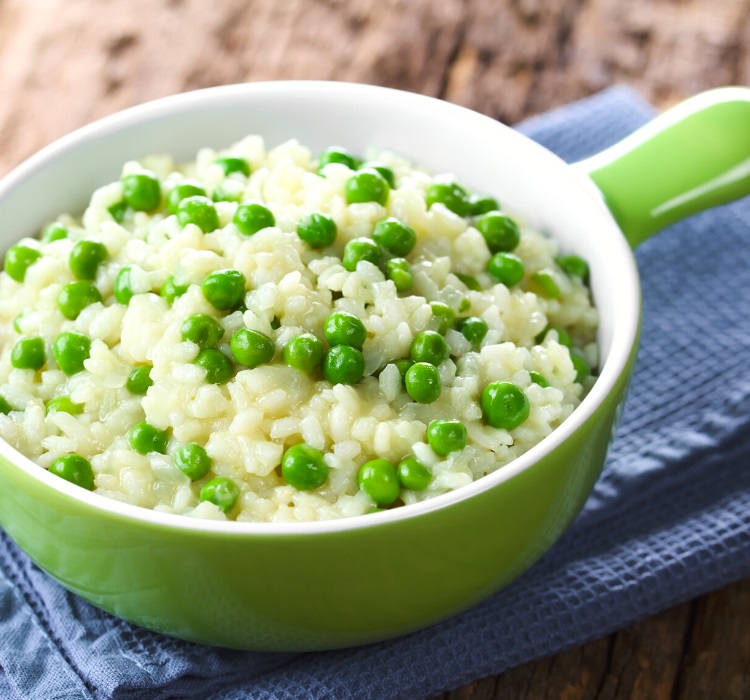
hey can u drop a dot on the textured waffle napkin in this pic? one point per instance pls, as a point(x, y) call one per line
point(669, 519)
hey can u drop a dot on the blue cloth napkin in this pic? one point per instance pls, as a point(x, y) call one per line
point(669, 519)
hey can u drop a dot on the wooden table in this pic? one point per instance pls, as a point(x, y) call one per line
point(64, 63)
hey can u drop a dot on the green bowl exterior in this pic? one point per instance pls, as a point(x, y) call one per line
point(351, 584)
point(317, 591)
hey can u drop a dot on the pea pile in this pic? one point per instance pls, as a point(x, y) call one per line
point(463, 336)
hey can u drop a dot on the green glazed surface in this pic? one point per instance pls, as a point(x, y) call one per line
point(690, 158)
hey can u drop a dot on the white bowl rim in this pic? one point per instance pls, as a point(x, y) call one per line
point(624, 341)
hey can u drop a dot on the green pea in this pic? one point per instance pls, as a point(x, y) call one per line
point(573, 266)
point(123, 291)
point(506, 268)
point(144, 438)
point(251, 218)
point(429, 346)
point(224, 289)
point(18, 259)
point(75, 469)
point(252, 348)
point(71, 349)
point(303, 352)
point(504, 405)
point(366, 186)
point(222, 492)
point(563, 337)
point(318, 230)
point(539, 379)
point(422, 382)
point(275, 323)
point(63, 404)
point(5, 407)
point(482, 204)
point(398, 270)
point(192, 460)
point(337, 154)
point(378, 479)
point(170, 290)
point(403, 366)
point(473, 328)
point(343, 364)
point(499, 231)
point(28, 353)
point(118, 210)
point(343, 328)
point(54, 232)
point(85, 258)
point(200, 211)
point(546, 283)
point(187, 188)
point(446, 436)
point(449, 194)
point(217, 365)
point(232, 164)
point(304, 467)
point(384, 170)
point(471, 282)
point(465, 305)
point(75, 297)
point(581, 365)
point(442, 315)
point(395, 236)
point(413, 475)
point(140, 380)
point(205, 331)
point(359, 249)
point(141, 190)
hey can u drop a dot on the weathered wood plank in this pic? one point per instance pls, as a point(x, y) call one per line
point(63, 65)
point(523, 57)
point(645, 659)
point(717, 664)
point(65, 62)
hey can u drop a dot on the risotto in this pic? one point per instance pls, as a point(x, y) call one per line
point(263, 335)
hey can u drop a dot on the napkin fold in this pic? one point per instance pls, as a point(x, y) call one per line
point(668, 520)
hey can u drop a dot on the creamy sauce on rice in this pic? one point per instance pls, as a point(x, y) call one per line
point(246, 423)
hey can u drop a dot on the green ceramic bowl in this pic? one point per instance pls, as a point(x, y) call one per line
point(332, 584)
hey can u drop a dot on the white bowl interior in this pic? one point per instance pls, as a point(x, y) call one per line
point(480, 152)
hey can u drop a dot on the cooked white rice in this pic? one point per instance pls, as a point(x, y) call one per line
point(246, 424)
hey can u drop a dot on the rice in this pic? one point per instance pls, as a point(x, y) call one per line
point(248, 422)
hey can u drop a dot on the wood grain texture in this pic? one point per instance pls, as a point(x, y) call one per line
point(695, 651)
point(64, 63)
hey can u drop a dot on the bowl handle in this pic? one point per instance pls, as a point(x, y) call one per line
point(694, 156)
